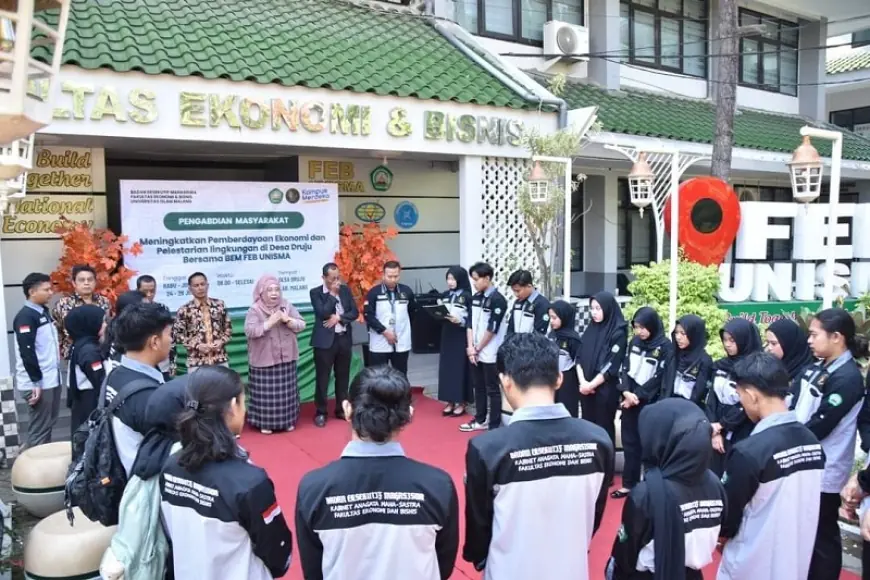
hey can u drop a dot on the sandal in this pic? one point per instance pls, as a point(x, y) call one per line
point(620, 493)
point(266, 431)
point(458, 410)
point(448, 410)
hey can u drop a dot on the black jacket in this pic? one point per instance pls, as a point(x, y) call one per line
point(324, 305)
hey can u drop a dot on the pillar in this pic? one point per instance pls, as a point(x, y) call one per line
point(470, 210)
point(811, 70)
point(604, 38)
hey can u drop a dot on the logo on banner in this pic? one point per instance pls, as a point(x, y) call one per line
point(292, 195)
point(275, 196)
point(406, 215)
point(370, 212)
point(381, 178)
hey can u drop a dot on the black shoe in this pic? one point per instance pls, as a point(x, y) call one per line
point(320, 420)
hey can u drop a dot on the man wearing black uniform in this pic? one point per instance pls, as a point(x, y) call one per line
point(773, 482)
point(388, 309)
point(334, 312)
point(531, 310)
point(144, 331)
point(545, 474)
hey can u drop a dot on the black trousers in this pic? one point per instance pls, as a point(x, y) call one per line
point(865, 560)
point(84, 404)
point(398, 360)
point(336, 357)
point(600, 408)
point(631, 446)
point(828, 552)
point(487, 394)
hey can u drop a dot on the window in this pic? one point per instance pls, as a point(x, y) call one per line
point(515, 20)
point(665, 34)
point(635, 235)
point(861, 38)
point(769, 60)
point(856, 120)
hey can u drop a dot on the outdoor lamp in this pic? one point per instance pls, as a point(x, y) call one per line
point(22, 114)
point(16, 158)
point(640, 183)
point(806, 172)
point(539, 184)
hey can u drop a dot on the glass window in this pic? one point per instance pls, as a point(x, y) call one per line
point(770, 65)
point(570, 11)
point(499, 17)
point(465, 12)
point(516, 20)
point(857, 120)
point(533, 17)
point(861, 116)
point(843, 119)
point(669, 34)
point(750, 68)
point(789, 71)
point(770, 57)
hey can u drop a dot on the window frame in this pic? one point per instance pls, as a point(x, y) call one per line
point(780, 44)
point(623, 220)
point(851, 112)
point(859, 43)
point(657, 14)
point(517, 15)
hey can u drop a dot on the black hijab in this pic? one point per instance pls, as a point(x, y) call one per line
point(696, 331)
point(598, 338)
point(648, 318)
point(675, 441)
point(567, 314)
point(747, 338)
point(796, 354)
point(83, 324)
point(459, 274)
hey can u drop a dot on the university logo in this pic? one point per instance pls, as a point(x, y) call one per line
point(275, 196)
point(370, 212)
point(381, 178)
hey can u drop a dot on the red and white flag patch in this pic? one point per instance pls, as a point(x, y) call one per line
point(23, 329)
point(96, 366)
point(273, 512)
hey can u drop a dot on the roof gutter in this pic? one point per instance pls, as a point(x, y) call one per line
point(509, 75)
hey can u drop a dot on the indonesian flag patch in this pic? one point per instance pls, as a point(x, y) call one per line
point(23, 329)
point(273, 512)
point(96, 366)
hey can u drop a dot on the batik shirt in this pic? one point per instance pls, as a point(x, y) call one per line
point(205, 322)
point(64, 306)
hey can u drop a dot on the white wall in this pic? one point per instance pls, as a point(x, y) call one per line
point(840, 100)
point(432, 244)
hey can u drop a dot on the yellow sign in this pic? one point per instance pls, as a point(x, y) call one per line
point(67, 169)
point(339, 172)
point(40, 214)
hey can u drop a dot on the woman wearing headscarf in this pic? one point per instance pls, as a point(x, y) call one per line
point(562, 315)
point(690, 372)
point(740, 337)
point(788, 342)
point(602, 350)
point(648, 353)
point(85, 325)
point(454, 377)
point(271, 326)
point(671, 520)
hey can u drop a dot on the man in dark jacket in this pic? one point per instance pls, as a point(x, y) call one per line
point(334, 312)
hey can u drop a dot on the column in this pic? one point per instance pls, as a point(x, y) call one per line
point(811, 69)
point(604, 38)
point(470, 210)
point(600, 230)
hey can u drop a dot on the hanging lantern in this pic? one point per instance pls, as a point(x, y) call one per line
point(16, 158)
point(640, 183)
point(539, 184)
point(22, 114)
point(806, 172)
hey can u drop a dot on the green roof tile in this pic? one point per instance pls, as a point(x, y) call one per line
point(636, 112)
point(856, 60)
point(314, 43)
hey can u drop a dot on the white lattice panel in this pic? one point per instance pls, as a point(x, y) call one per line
point(506, 242)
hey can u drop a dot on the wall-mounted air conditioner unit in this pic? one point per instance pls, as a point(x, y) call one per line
point(566, 40)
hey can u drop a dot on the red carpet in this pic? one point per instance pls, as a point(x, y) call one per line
point(430, 438)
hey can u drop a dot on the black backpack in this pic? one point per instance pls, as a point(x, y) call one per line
point(96, 478)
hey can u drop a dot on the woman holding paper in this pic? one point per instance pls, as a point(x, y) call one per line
point(454, 378)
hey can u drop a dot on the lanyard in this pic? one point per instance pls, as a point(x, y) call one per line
point(391, 297)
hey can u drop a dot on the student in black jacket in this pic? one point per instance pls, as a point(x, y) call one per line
point(773, 482)
point(530, 311)
point(740, 338)
point(688, 375)
point(648, 353)
point(671, 520)
point(454, 369)
point(376, 513)
point(831, 396)
point(602, 350)
point(220, 510)
point(331, 338)
point(788, 342)
point(562, 319)
point(85, 326)
point(535, 491)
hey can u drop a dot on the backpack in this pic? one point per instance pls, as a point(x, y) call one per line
point(96, 478)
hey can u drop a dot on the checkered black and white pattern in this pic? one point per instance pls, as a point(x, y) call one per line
point(274, 397)
point(10, 439)
point(584, 317)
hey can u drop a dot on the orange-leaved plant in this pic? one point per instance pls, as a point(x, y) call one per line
point(99, 248)
point(362, 253)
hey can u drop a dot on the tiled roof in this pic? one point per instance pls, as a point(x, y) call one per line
point(636, 112)
point(314, 43)
point(855, 60)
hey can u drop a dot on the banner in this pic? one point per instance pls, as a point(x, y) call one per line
point(233, 232)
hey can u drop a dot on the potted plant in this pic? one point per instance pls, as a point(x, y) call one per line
point(101, 249)
point(362, 253)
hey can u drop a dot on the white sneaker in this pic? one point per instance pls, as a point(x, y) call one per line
point(473, 425)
